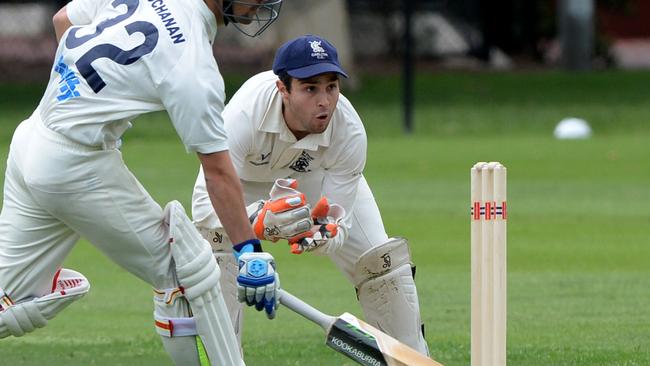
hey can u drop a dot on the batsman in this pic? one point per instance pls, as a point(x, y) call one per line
point(66, 177)
point(291, 132)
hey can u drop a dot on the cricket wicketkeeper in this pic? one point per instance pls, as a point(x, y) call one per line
point(293, 124)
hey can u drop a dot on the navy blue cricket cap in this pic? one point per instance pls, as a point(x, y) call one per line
point(307, 56)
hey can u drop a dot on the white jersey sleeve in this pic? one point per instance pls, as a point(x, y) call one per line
point(84, 11)
point(196, 115)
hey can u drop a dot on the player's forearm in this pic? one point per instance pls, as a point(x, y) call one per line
point(227, 201)
point(61, 23)
point(225, 192)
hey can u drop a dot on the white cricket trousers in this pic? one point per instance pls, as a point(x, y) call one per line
point(57, 190)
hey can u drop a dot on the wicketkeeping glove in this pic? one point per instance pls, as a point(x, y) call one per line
point(326, 218)
point(285, 215)
point(258, 282)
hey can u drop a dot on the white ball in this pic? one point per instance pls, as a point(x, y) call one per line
point(572, 128)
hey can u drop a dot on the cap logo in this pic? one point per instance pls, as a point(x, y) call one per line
point(318, 51)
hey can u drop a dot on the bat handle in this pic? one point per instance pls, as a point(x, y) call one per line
point(306, 310)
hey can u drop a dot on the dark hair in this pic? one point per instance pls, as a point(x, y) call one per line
point(285, 78)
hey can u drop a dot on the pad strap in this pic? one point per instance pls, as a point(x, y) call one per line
point(168, 295)
point(175, 327)
point(5, 300)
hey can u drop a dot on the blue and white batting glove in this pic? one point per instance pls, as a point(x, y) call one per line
point(258, 282)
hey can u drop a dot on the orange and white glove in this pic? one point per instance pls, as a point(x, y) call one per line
point(285, 215)
point(326, 218)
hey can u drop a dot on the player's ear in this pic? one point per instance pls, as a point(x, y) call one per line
point(282, 88)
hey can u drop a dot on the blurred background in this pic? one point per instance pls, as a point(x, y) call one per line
point(468, 35)
point(399, 38)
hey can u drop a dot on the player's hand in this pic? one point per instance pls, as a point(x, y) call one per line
point(326, 218)
point(285, 215)
point(258, 282)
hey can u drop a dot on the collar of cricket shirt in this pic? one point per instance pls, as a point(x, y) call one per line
point(273, 122)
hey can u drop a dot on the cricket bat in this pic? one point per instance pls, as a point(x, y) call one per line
point(356, 339)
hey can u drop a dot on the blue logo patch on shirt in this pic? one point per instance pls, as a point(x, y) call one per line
point(68, 83)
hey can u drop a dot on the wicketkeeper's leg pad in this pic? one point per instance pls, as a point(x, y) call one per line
point(25, 316)
point(387, 292)
point(228, 281)
point(198, 276)
point(222, 250)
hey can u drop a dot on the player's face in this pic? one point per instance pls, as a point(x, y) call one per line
point(309, 106)
point(245, 13)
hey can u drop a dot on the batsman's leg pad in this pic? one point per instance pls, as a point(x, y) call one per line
point(198, 275)
point(25, 316)
point(387, 292)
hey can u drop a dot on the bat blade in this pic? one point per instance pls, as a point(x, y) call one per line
point(348, 338)
point(370, 346)
point(357, 339)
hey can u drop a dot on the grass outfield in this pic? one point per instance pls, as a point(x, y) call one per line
point(578, 253)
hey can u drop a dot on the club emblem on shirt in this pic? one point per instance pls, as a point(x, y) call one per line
point(263, 159)
point(301, 165)
point(68, 83)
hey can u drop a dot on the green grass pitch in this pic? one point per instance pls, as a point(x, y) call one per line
point(579, 219)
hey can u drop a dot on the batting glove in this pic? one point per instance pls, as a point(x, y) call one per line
point(326, 218)
point(258, 282)
point(285, 215)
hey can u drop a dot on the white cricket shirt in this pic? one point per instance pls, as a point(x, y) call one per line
point(123, 59)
